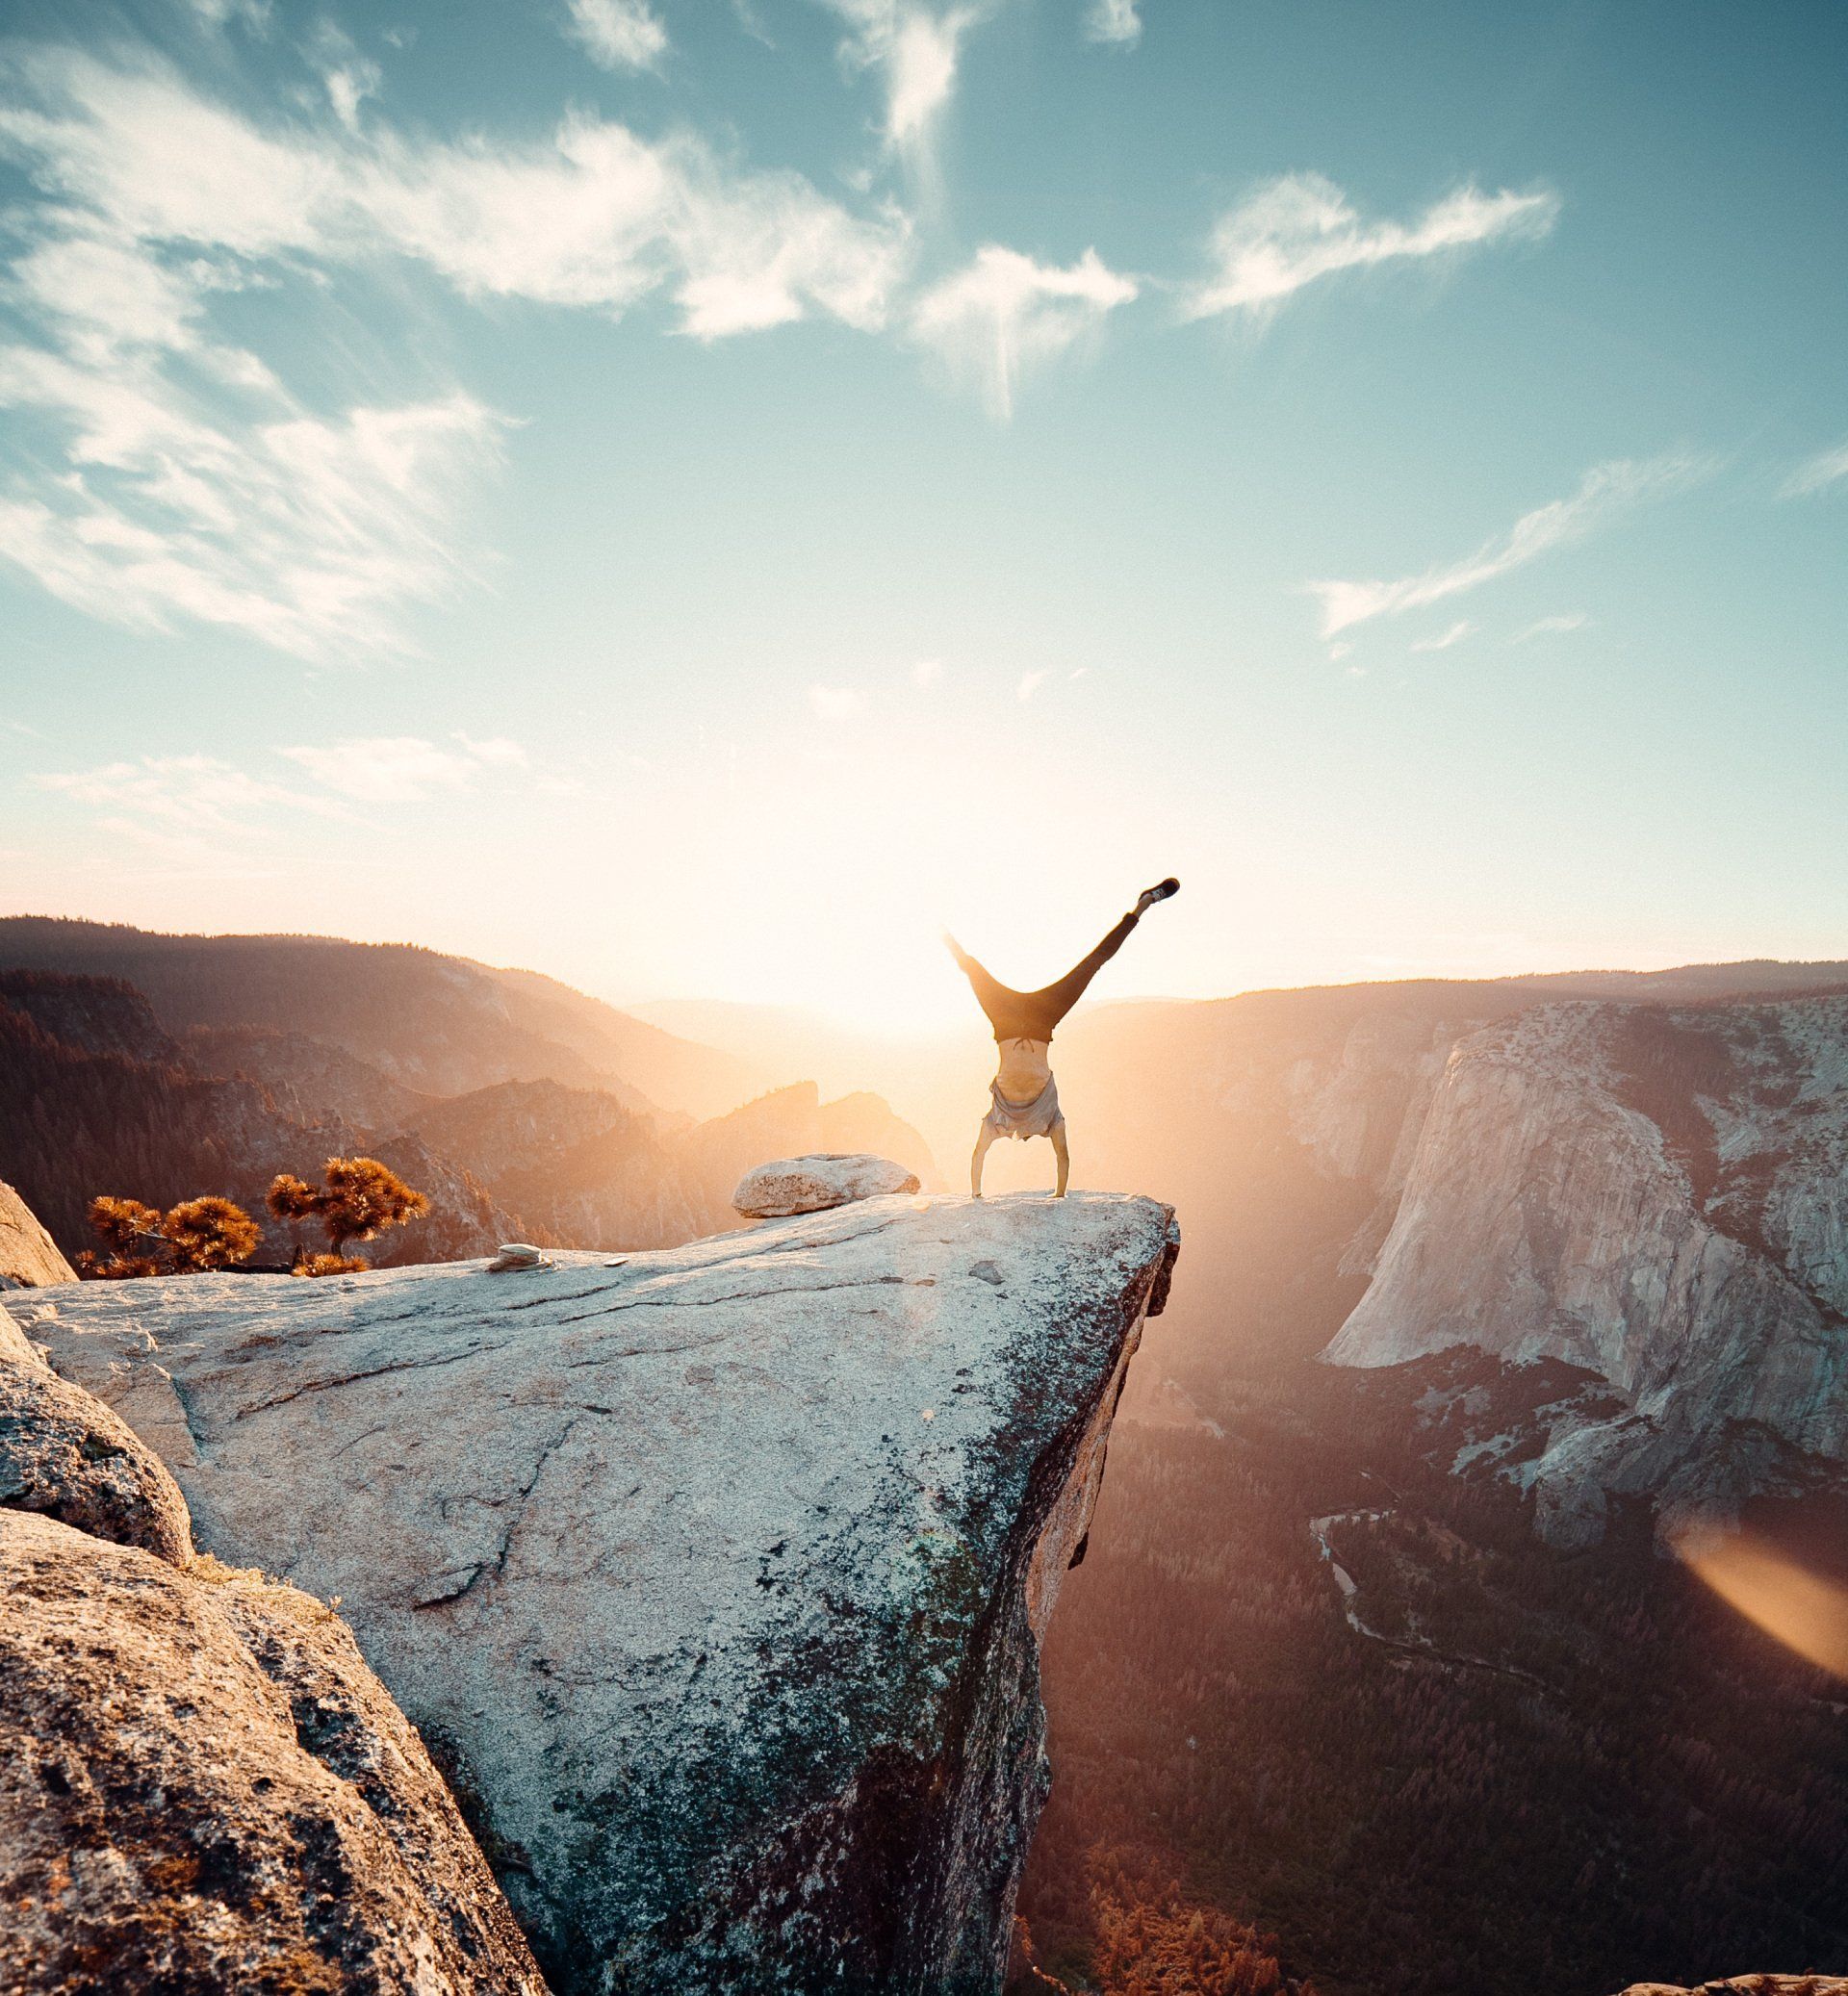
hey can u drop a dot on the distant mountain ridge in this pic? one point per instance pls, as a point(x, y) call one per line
point(217, 1084)
point(440, 1024)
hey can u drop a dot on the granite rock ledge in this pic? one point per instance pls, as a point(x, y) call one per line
point(717, 1577)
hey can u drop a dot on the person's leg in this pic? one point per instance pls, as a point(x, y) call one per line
point(1057, 1135)
point(990, 994)
point(984, 1137)
point(1052, 1003)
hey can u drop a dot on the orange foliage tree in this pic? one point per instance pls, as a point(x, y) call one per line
point(1149, 1940)
point(357, 1199)
point(190, 1238)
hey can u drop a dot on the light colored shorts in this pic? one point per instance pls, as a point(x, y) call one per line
point(1021, 1121)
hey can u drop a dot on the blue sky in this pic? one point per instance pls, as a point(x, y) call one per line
point(690, 497)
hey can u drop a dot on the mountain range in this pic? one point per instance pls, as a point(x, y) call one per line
point(159, 1067)
point(1492, 1290)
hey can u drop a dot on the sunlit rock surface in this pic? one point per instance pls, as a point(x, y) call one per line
point(818, 1183)
point(29, 1257)
point(1749, 1986)
point(1659, 1196)
point(720, 1574)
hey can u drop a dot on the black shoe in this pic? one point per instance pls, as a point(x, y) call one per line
point(1163, 889)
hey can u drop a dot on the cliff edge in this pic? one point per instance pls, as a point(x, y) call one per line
point(1658, 1196)
point(716, 1575)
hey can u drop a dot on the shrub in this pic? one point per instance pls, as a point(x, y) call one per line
point(190, 1238)
point(357, 1200)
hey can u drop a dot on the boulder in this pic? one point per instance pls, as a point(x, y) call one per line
point(29, 1257)
point(65, 1454)
point(818, 1183)
point(720, 1575)
point(203, 1787)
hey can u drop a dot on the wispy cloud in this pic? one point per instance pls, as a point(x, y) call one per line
point(188, 798)
point(1298, 229)
point(927, 672)
point(164, 471)
point(1606, 492)
point(914, 50)
point(1445, 639)
point(1817, 474)
point(1113, 22)
point(1005, 313)
point(619, 33)
point(1550, 626)
point(1030, 684)
point(405, 769)
point(837, 702)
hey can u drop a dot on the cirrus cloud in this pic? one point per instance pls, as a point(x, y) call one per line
point(1300, 228)
point(619, 33)
point(1605, 492)
point(1005, 313)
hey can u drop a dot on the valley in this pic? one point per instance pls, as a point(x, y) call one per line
point(1378, 1677)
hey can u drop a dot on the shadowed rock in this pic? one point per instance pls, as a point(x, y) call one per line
point(721, 1574)
point(65, 1454)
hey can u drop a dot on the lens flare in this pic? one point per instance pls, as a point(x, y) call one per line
point(1804, 1610)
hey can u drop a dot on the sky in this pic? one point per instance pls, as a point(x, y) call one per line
point(694, 496)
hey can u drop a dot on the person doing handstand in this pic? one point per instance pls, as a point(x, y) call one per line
point(1024, 1097)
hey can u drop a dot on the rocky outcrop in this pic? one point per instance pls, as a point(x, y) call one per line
point(1750, 1986)
point(203, 1787)
point(719, 1575)
point(66, 1455)
point(1658, 1197)
point(29, 1257)
point(816, 1183)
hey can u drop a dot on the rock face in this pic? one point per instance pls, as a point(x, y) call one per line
point(203, 1787)
point(1750, 1986)
point(63, 1454)
point(720, 1574)
point(1658, 1196)
point(29, 1257)
point(818, 1183)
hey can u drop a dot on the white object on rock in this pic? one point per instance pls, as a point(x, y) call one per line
point(740, 1655)
point(814, 1183)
